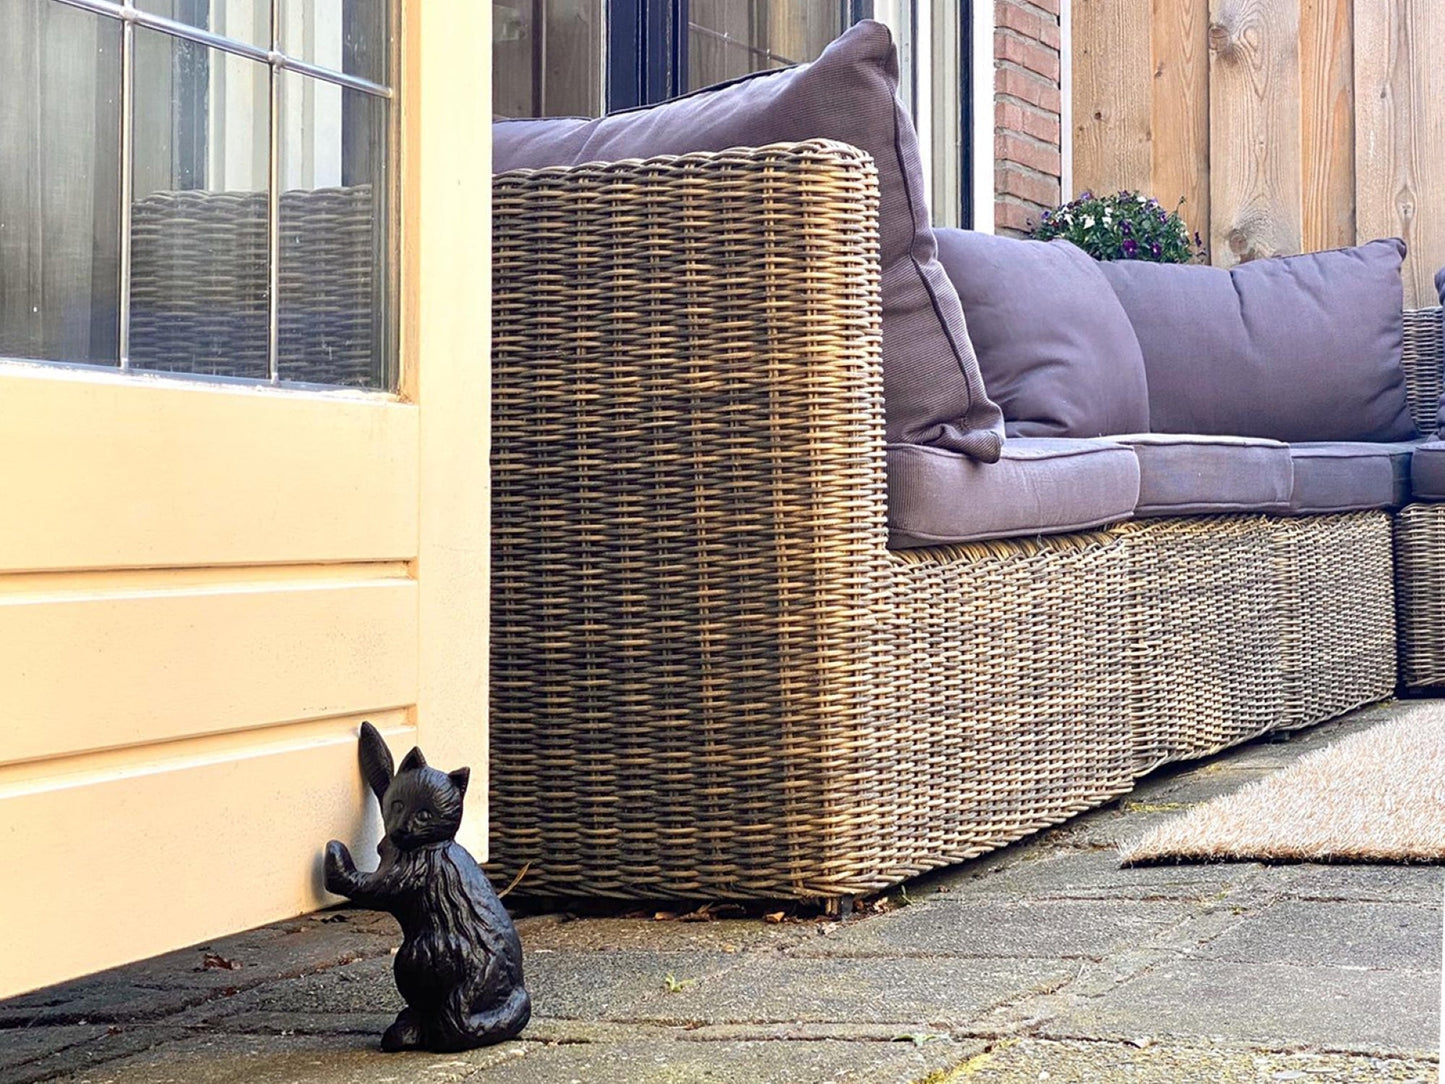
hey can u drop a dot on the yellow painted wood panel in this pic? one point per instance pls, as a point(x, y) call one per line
point(1254, 111)
point(1327, 146)
point(1400, 133)
point(139, 860)
point(138, 472)
point(447, 324)
point(1179, 162)
point(1112, 93)
point(91, 668)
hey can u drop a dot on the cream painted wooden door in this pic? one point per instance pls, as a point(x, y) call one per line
point(206, 587)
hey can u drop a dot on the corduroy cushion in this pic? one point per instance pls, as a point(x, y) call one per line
point(1427, 471)
point(933, 391)
point(1055, 347)
point(1349, 476)
point(1040, 485)
point(1296, 348)
point(1188, 474)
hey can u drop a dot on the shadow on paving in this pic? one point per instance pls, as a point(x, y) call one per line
point(1044, 961)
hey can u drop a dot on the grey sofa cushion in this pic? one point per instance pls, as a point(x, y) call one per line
point(1191, 474)
point(933, 391)
point(1056, 348)
point(1294, 348)
point(1349, 476)
point(1040, 485)
point(1427, 471)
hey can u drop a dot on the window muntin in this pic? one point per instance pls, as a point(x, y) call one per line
point(205, 187)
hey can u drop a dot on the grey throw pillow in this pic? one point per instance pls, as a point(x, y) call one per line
point(1055, 347)
point(1295, 348)
point(933, 392)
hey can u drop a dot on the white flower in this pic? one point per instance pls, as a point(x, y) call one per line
point(1088, 222)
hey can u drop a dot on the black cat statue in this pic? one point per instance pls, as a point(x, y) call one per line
point(460, 962)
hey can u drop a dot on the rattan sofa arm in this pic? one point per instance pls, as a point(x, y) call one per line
point(680, 336)
point(1423, 358)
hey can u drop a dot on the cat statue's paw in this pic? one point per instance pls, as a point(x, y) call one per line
point(338, 866)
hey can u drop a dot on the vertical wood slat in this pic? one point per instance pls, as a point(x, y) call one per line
point(1112, 129)
point(1400, 133)
point(1179, 111)
point(1327, 137)
point(1254, 122)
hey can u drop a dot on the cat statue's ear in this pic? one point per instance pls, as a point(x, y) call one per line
point(376, 766)
point(413, 761)
point(460, 778)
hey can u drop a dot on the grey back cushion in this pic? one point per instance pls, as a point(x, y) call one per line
point(1056, 348)
point(933, 391)
point(1440, 409)
point(1294, 348)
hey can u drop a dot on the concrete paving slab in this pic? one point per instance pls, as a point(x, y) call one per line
point(269, 1059)
point(1031, 928)
point(1384, 884)
point(929, 993)
point(1333, 934)
point(1092, 874)
point(65, 1058)
point(829, 1061)
point(1073, 1062)
point(1277, 1006)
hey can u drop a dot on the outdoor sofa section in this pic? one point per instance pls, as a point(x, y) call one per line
point(711, 675)
point(809, 577)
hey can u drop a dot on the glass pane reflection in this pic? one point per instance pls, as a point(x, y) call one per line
point(243, 20)
point(199, 251)
point(333, 254)
point(349, 36)
point(59, 184)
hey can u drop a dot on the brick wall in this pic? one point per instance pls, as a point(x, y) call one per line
point(1026, 112)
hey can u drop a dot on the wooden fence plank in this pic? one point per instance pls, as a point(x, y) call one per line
point(1254, 129)
point(1400, 133)
point(1112, 92)
point(1180, 108)
point(1327, 137)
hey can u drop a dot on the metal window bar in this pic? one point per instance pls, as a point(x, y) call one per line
point(134, 16)
point(277, 62)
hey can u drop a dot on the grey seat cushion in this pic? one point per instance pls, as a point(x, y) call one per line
point(1349, 476)
point(1427, 471)
point(1040, 485)
point(1293, 348)
point(1055, 346)
point(1186, 474)
point(933, 391)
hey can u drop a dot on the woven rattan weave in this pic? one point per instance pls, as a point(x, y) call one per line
point(199, 284)
point(1420, 528)
point(710, 678)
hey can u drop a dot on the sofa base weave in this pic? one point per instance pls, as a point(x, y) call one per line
point(1420, 587)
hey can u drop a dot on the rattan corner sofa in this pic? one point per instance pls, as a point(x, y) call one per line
point(712, 676)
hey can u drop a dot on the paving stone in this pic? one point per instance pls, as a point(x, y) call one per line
point(912, 993)
point(1374, 935)
point(611, 934)
point(1096, 875)
point(1276, 1005)
point(616, 985)
point(1386, 884)
point(1032, 1060)
point(62, 1056)
point(20, 1045)
point(776, 1062)
point(269, 1059)
point(1042, 929)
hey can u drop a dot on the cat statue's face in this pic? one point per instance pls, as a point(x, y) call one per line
point(423, 805)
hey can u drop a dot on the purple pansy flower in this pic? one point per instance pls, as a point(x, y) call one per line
point(1130, 248)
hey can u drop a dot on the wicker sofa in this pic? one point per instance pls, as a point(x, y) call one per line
point(711, 676)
